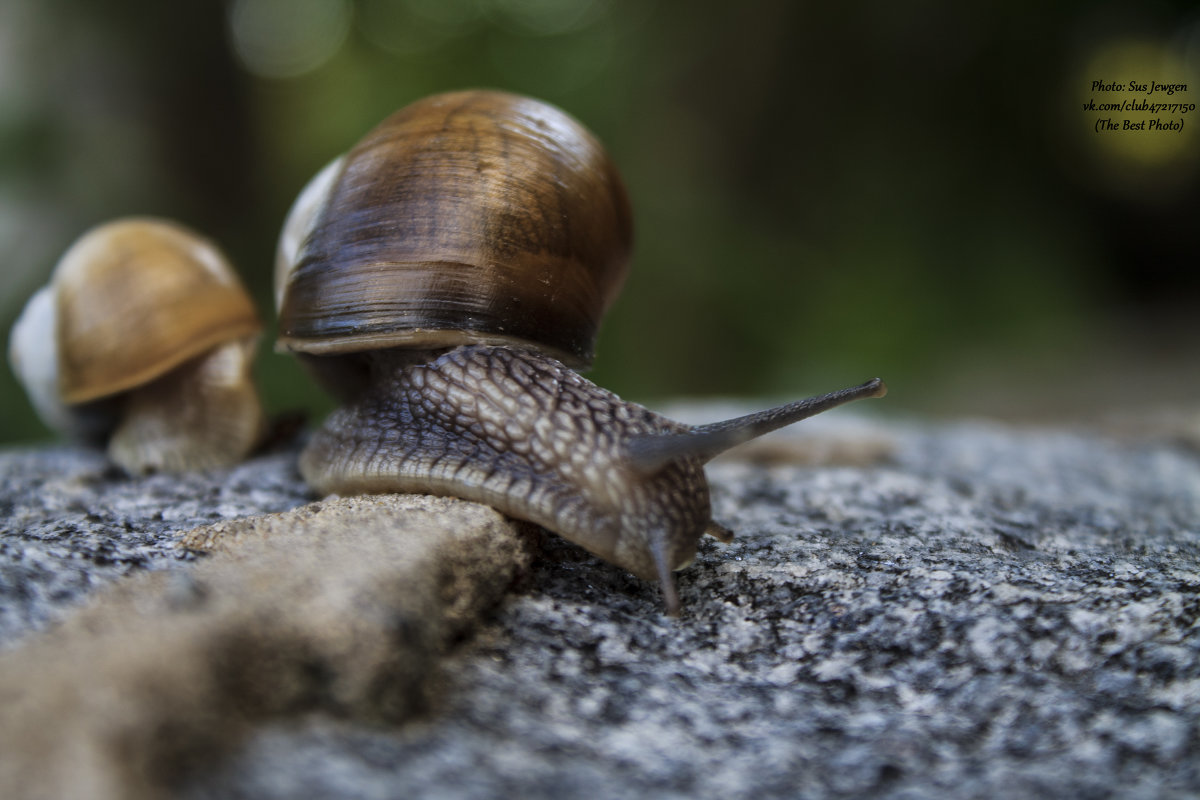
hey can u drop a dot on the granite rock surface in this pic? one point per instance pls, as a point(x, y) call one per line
point(968, 610)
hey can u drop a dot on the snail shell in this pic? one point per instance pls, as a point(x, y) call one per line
point(145, 336)
point(469, 217)
point(442, 279)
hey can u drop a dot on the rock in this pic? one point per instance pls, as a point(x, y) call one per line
point(989, 611)
point(341, 606)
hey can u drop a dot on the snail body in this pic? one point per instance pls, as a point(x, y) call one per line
point(144, 339)
point(445, 287)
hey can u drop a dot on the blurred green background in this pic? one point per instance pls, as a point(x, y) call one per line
point(823, 191)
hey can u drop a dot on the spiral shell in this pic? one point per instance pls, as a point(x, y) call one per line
point(138, 297)
point(468, 217)
point(144, 336)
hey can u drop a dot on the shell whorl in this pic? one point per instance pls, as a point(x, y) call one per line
point(136, 298)
point(465, 217)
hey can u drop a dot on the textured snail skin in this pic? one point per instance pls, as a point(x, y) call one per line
point(519, 431)
point(522, 433)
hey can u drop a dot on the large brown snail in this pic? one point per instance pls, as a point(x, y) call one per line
point(441, 279)
point(144, 340)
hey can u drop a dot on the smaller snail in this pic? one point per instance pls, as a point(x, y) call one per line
point(442, 279)
point(144, 339)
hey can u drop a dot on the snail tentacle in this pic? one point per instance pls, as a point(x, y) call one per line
point(648, 454)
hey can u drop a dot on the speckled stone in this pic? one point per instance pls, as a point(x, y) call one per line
point(70, 522)
point(988, 612)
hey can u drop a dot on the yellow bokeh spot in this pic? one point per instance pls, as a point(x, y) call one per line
point(1139, 112)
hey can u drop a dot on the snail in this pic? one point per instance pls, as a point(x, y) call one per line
point(144, 339)
point(444, 279)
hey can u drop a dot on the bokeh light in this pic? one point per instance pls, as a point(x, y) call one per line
point(287, 38)
point(1143, 135)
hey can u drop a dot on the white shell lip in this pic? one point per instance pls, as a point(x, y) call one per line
point(299, 224)
point(33, 356)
